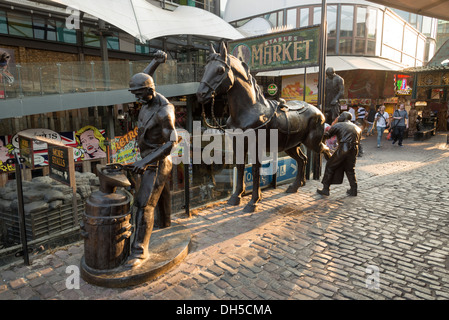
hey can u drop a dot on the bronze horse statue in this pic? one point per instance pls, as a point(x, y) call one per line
point(224, 74)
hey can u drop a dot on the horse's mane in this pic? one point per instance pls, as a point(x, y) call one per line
point(250, 78)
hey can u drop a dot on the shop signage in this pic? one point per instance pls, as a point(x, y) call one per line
point(61, 164)
point(272, 89)
point(295, 48)
point(26, 150)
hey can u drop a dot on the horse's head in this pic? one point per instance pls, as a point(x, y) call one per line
point(218, 77)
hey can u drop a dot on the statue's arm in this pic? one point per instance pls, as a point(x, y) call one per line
point(159, 58)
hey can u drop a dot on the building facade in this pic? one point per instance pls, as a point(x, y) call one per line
point(367, 44)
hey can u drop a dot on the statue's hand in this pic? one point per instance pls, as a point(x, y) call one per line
point(138, 167)
point(160, 56)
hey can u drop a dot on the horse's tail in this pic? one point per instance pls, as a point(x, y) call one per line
point(315, 136)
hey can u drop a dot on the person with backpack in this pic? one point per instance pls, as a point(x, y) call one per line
point(370, 120)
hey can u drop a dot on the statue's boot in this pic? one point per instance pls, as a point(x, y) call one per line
point(353, 191)
point(144, 228)
point(324, 191)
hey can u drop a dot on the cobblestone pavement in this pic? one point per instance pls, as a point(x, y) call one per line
point(298, 246)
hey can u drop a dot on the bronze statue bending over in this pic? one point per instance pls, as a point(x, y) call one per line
point(344, 158)
point(156, 138)
point(248, 109)
point(335, 90)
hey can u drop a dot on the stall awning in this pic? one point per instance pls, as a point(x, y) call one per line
point(432, 8)
point(341, 63)
point(146, 21)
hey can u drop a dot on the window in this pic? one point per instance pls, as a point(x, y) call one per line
point(64, 34)
point(90, 39)
point(291, 17)
point(361, 22)
point(410, 37)
point(331, 29)
point(347, 20)
point(304, 17)
point(44, 29)
point(272, 18)
point(371, 23)
point(3, 22)
point(20, 25)
point(346, 29)
point(316, 15)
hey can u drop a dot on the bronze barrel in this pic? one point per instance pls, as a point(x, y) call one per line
point(106, 230)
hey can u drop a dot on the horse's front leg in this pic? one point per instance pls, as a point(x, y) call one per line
point(235, 198)
point(256, 194)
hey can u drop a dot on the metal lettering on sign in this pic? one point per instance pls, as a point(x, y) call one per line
point(283, 50)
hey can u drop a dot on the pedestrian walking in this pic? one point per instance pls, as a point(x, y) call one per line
point(370, 119)
point(361, 114)
point(382, 122)
point(400, 123)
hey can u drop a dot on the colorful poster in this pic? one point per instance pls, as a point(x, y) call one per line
point(125, 149)
point(293, 88)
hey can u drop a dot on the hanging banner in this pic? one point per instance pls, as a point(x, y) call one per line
point(295, 48)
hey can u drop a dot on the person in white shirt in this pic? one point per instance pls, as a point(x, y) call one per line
point(352, 112)
point(381, 123)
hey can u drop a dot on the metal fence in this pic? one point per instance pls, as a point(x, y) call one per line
point(32, 79)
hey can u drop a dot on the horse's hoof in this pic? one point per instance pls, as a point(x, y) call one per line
point(250, 208)
point(234, 201)
point(291, 189)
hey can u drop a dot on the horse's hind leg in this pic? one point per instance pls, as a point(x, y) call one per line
point(256, 194)
point(235, 198)
point(301, 160)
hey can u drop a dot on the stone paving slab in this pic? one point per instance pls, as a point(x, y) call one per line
point(389, 242)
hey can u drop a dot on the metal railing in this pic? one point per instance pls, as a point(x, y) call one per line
point(31, 79)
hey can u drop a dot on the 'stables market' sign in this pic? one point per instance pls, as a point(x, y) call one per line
point(295, 48)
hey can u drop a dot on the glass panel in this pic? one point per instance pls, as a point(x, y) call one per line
point(272, 17)
point(345, 46)
point(347, 21)
point(360, 46)
point(361, 22)
point(410, 42)
point(331, 43)
point(332, 21)
point(426, 25)
point(420, 49)
point(316, 15)
point(371, 23)
point(371, 48)
point(391, 54)
point(44, 29)
point(113, 42)
point(304, 17)
point(393, 30)
point(291, 17)
point(408, 61)
point(20, 25)
point(90, 39)
point(280, 18)
point(64, 34)
point(3, 23)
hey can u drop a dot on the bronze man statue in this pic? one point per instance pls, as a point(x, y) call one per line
point(344, 158)
point(335, 90)
point(156, 138)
